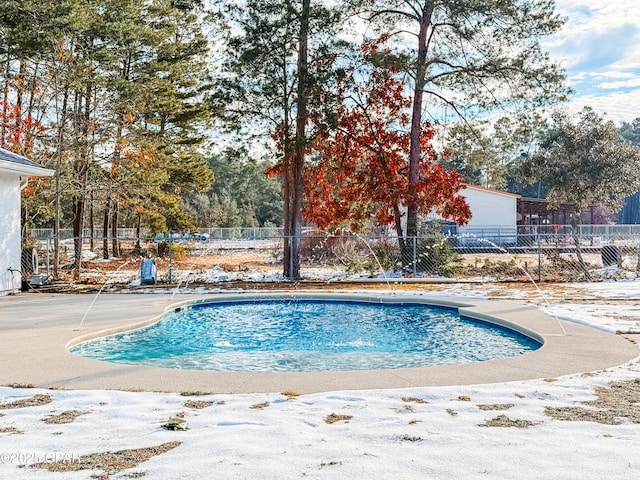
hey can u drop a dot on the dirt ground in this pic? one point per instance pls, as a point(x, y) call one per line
point(258, 264)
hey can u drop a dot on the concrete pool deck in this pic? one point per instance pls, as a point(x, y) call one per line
point(36, 328)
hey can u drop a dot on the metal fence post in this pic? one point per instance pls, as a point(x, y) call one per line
point(170, 262)
point(539, 258)
point(415, 256)
point(48, 256)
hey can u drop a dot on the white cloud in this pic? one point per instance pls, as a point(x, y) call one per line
point(614, 74)
point(599, 47)
point(595, 16)
point(591, 30)
point(617, 106)
point(633, 82)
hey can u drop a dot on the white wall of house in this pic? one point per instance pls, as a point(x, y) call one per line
point(494, 217)
point(490, 208)
point(10, 251)
point(14, 173)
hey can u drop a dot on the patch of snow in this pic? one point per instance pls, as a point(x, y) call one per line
point(404, 433)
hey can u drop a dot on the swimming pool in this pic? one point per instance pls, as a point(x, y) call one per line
point(308, 334)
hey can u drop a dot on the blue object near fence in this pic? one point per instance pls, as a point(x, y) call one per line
point(148, 272)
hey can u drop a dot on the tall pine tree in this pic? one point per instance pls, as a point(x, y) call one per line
point(467, 57)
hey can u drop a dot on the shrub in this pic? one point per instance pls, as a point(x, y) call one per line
point(434, 254)
point(177, 251)
point(385, 255)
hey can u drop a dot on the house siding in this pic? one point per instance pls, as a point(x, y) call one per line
point(10, 281)
point(493, 221)
point(490, 208)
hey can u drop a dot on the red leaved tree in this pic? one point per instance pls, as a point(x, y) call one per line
point(18, 131)
point(362, 168)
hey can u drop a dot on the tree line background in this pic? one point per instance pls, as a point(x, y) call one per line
point(165, 114)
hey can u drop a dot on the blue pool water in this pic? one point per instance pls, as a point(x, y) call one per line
point(308, 335)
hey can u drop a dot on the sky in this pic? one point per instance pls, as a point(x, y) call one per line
point(599, 48)
point(496, 431)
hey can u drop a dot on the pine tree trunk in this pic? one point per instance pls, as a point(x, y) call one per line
point(115, 244)
point(17, 128)
point(287, 185)
point(105, 227)
point(59, 148)
point(287, 192)
point(78, 224)
point(288, 175)
point(297, 168)
point(83, 104)
point(92, 229)
point(5, 100)
point(415, 152)
point(31, 112)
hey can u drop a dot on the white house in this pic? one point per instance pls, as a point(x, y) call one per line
point(15, 171)
point(493, 217)
point(494, 214)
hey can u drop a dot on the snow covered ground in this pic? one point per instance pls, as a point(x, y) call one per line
point(513, 430)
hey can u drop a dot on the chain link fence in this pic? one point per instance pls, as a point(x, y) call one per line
point(555, 253)
point(541, 257)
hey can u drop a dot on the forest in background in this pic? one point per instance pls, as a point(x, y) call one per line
point(164, 114)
